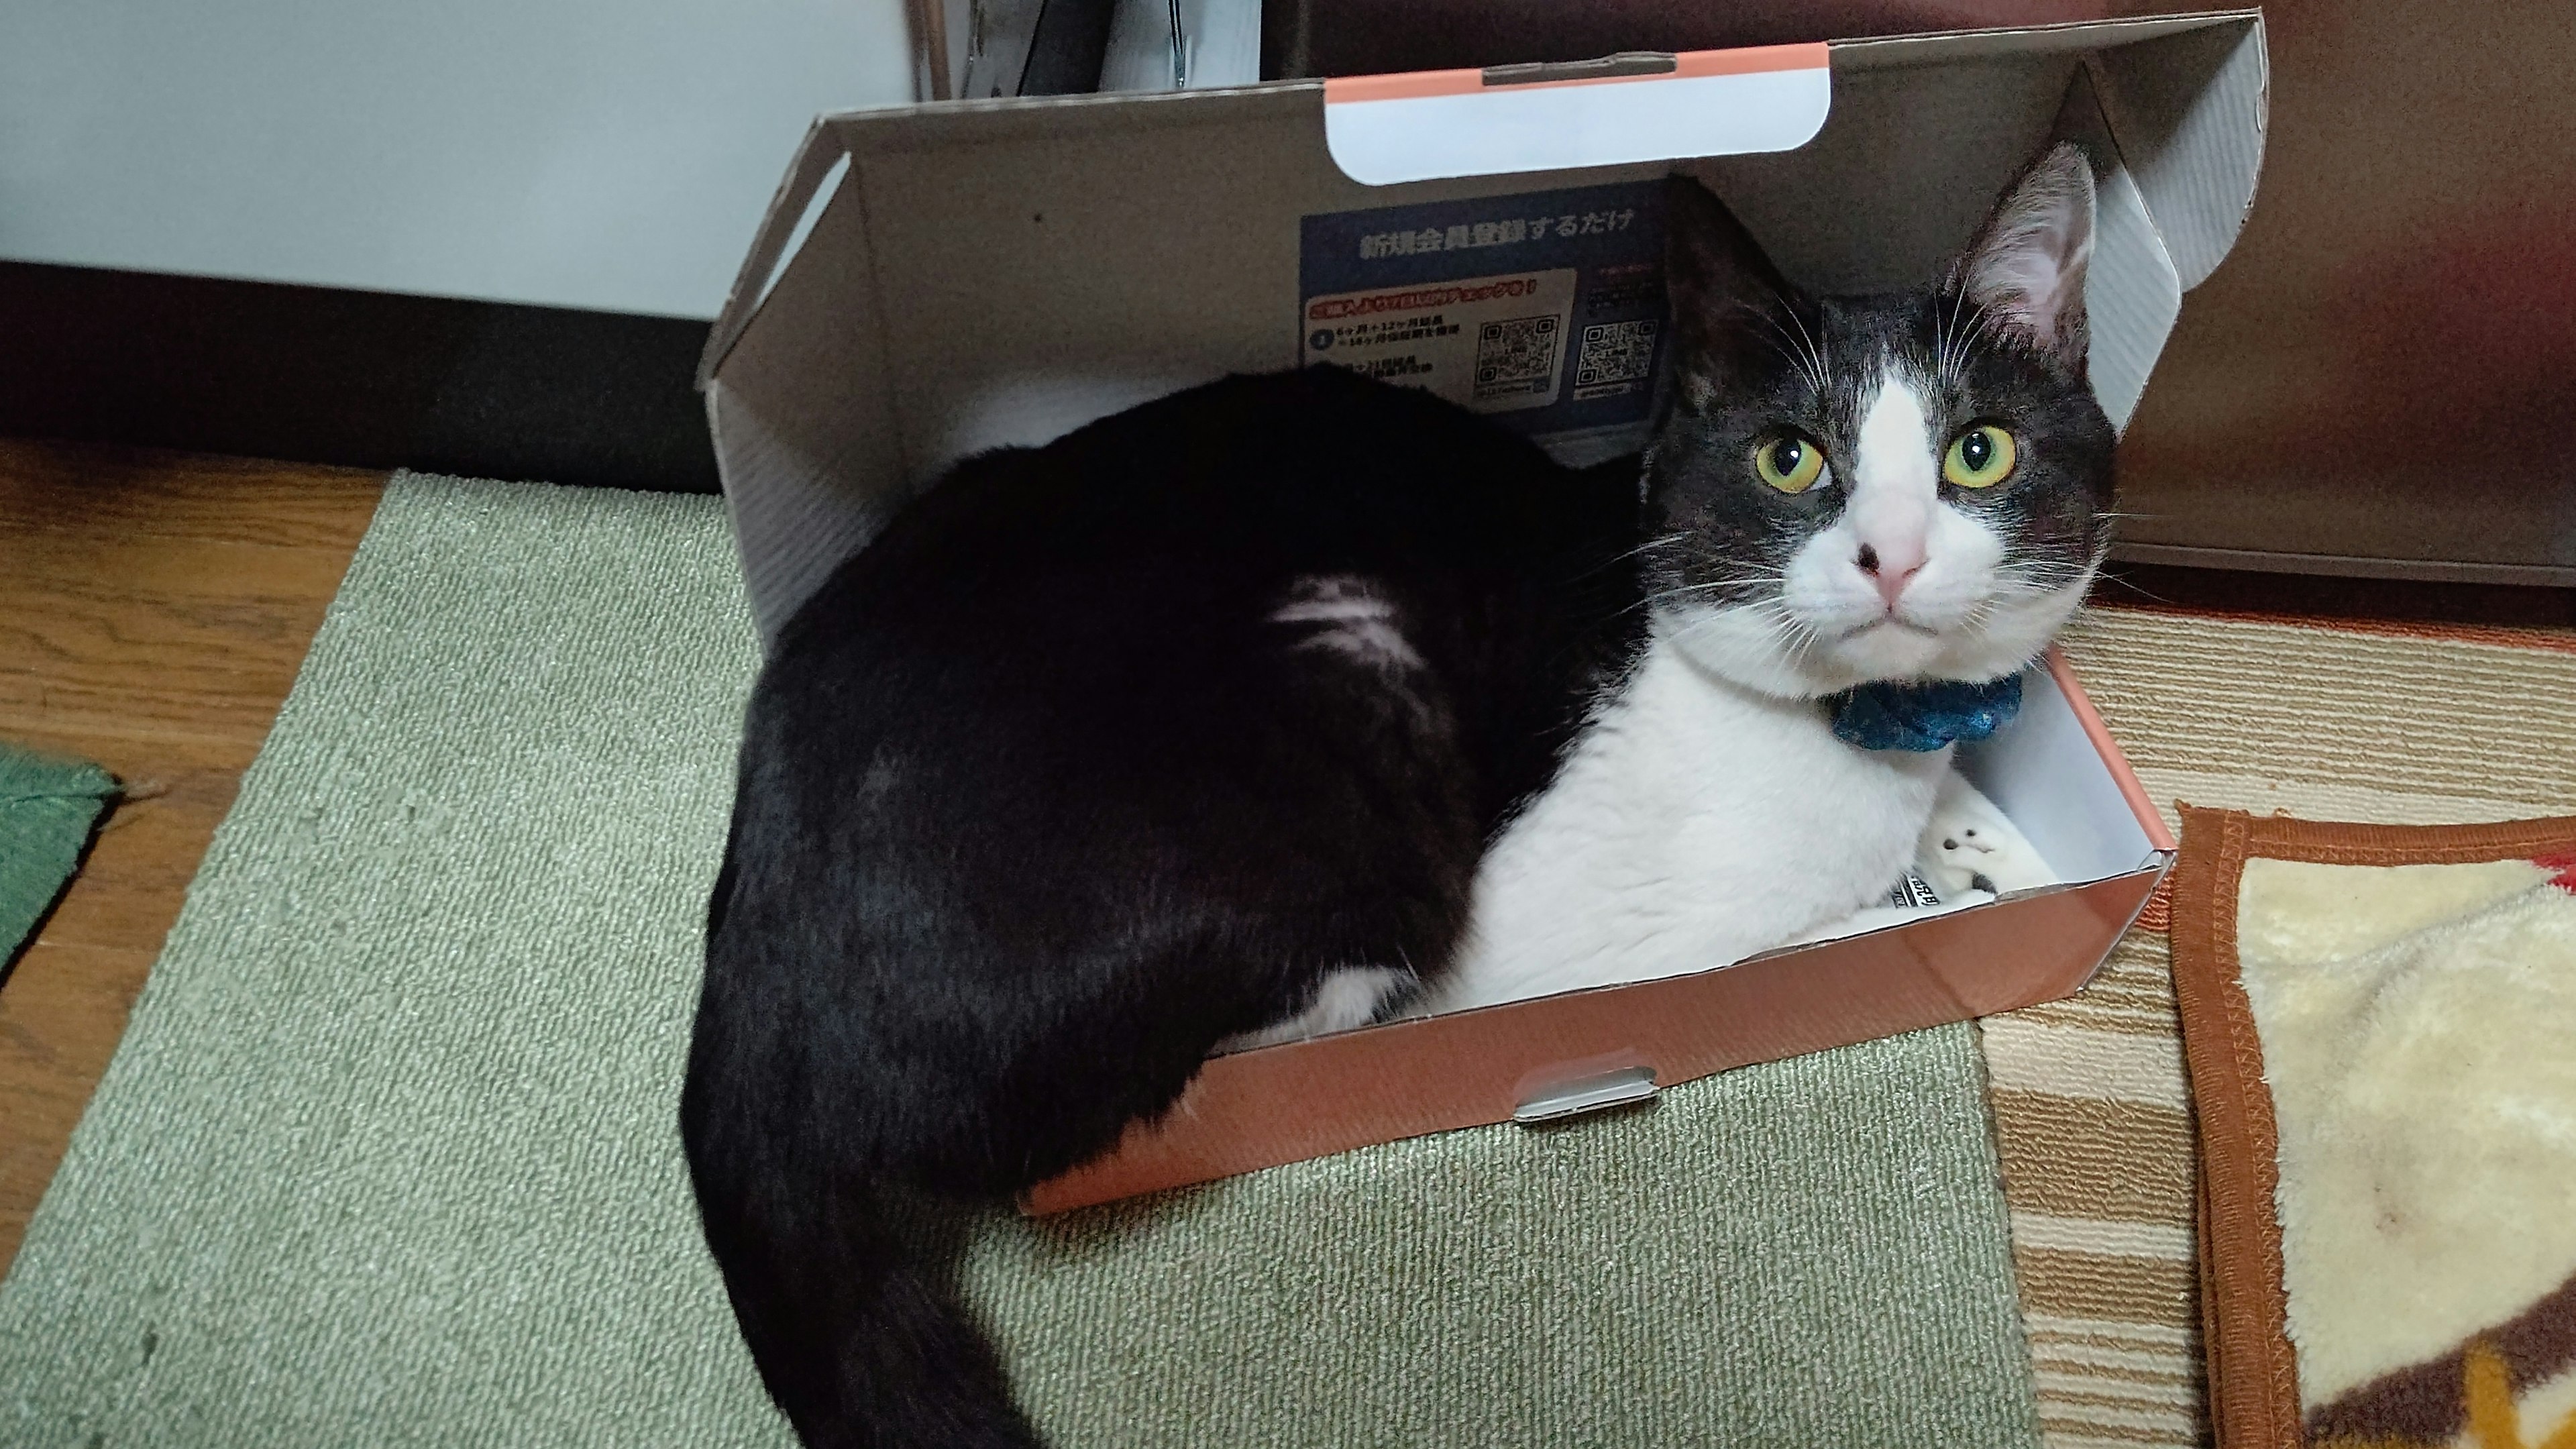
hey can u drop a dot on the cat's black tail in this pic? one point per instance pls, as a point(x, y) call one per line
point(839, 1286)
point(837, 1279)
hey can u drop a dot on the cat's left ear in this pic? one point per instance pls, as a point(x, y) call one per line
point(2028, 263)
point(1729, 302)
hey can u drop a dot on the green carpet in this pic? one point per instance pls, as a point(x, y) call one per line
point(388, 1155)
point(47, 809)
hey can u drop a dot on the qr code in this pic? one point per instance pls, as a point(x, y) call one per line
point(1517, 355)
point(1616, 357)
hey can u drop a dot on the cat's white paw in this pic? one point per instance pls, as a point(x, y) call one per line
point(1969, 846)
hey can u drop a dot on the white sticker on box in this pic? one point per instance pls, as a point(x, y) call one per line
point(1494, 344)
point(1544, 310)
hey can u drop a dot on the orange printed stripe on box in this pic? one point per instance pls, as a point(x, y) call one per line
point(1413, 85)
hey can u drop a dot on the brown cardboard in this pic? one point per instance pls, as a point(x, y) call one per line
point(937, 280)
point(1286, 1103)
point(994, 272)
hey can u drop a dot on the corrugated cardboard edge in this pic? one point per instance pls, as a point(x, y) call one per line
point(2199, 178)
point(815, 156)
point(2244, 1307)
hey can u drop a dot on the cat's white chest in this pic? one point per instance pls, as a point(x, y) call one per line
point(1695, 823)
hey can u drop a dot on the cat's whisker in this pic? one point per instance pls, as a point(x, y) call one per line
point(1808, 356)
point(2128, 586)
point(1738, 585)
point(1983, 332)
point(1669, 539)
point(2035, 579)
point(1946, 338)
point(1800, 638)
point(1798, 354)
point(1818, 370)
point(1959, 343)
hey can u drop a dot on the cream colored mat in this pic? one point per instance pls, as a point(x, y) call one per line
point(2390, 726)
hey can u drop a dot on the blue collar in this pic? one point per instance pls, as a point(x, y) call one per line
point(1923, 716)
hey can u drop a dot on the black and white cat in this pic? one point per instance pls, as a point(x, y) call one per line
point(1276, 705)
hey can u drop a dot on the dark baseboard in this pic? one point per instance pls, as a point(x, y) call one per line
point(363, 379)
point(2429, 602)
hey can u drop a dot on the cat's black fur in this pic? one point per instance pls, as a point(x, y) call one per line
point(1038, 803)
point(1041, 798)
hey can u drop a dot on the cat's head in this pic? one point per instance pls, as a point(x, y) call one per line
point(1903, 487)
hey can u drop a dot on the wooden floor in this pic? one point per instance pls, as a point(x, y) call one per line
point(153, 610)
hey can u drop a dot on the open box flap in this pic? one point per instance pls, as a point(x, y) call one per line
point(2186, 96)
point(988, 273)
point(2189, 111)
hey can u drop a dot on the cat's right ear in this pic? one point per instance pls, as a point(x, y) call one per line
point(2028, 262)
point(1727, 298)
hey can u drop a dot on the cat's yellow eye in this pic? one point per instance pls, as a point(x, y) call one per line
point(1981, 457)
point(1789, 463)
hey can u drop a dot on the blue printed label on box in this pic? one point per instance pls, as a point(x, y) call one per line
point(1545, 310)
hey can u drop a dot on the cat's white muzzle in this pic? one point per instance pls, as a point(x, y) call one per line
point(1803, 644)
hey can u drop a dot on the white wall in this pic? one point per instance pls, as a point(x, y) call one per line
point(611, 154)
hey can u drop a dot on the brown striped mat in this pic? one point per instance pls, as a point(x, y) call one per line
point(2400, 725)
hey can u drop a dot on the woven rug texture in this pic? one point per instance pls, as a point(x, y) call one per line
point(2397, 726)
point(387, 1155)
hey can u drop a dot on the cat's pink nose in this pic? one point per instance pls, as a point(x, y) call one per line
point(1891, 569)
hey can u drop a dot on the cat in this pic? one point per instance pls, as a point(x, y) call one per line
point(1266, 708)
point(1969, 845)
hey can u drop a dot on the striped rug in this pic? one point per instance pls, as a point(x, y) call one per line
point(2387, 724)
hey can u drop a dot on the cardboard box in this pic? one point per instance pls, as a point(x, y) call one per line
point(938, 280)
